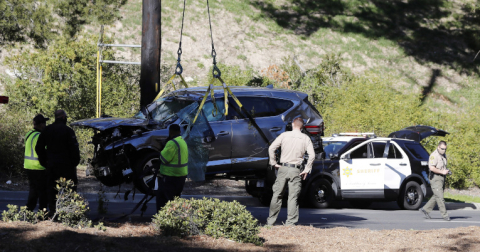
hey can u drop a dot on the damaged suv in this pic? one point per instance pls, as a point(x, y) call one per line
point(231, 144)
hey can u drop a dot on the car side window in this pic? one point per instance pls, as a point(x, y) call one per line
point(280, 105)
point(257, 106)
point(378, 149)
point(393, 152)
point(361, 152)
point(211, 114)
point(417, 151)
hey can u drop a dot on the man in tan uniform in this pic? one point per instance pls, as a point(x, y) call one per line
point(294, 144)
point(438, 169)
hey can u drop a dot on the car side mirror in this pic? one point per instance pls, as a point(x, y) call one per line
point(347, 156)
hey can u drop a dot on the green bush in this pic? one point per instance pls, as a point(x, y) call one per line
point(14, 214)
point(13, 128)
point(63, 77)
point(71, 207)
point(183, 217)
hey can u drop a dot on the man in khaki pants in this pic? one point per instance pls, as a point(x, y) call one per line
point(294, 144)
point(438, 169)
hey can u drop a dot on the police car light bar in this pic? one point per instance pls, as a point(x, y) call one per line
point(371, 134)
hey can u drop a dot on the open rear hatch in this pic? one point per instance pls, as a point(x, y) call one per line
point(418, 133)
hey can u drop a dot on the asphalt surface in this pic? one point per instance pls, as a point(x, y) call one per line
point(380, 216)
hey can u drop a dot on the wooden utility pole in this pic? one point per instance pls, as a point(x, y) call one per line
point(151, 46)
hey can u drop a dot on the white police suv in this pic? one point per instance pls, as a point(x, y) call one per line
point(362, 168)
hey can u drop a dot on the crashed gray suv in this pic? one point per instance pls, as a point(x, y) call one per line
point(235, 145)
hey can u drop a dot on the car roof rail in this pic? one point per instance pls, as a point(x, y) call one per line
point(364, 134)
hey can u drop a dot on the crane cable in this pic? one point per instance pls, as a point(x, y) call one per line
point(226, 90)
point(178, 68)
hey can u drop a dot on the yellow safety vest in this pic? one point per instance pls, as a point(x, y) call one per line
point(31, 158)
point(174, 158)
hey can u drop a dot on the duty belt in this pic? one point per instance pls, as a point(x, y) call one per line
point(291, 165)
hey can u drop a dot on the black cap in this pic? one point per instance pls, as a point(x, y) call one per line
point(40, 119)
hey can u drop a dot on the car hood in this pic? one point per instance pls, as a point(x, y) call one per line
point(418, 133)
point(110, 122)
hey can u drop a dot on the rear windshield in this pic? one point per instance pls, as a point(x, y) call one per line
point(332, 147)
point(417, 151)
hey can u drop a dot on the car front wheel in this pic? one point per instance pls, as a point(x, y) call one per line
point(144, 169)
point(411, 197)
point(321, 194)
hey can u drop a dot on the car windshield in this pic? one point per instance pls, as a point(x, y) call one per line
point(332, 147)
point(164, 108)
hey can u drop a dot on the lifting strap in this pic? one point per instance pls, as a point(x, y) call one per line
point(226, 90)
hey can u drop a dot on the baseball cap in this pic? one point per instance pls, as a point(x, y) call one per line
point(40, 119)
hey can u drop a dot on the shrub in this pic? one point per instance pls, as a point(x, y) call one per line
point(71, 207)
point(183, 217)
point(13, 127)
point(14, 214)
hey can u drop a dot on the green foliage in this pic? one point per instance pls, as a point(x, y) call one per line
point(183, 217)
point(14, 214)
point(22, 19)
point(64, 76)
point(71, 207)
point(100, 227)
point(13, 127)
point(77, 13)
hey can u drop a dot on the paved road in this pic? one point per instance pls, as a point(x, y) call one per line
point(380, 216)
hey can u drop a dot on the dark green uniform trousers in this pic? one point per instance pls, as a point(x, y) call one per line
point(437, 198)
point(291, 176)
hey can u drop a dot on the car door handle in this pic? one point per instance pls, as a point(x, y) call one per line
point(275, 129)
point(223, 133)
point(403, 164)
point(375, 164)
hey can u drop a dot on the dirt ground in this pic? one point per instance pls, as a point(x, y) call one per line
point(48, 236)
point(91, 185)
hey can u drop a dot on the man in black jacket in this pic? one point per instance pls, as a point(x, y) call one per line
point(57, 150)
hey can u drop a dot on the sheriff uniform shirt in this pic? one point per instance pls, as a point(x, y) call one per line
point(294, 145)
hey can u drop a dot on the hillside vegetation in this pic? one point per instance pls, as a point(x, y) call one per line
point(366, 64)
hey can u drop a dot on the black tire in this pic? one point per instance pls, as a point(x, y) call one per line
point(411, 196)
point(320, 194)
point(144, 169)
point(361, 204)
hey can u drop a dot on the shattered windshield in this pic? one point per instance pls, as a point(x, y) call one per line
point(332, 147)
point(164, 108)
point(198, 137)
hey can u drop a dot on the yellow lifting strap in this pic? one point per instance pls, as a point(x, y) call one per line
point(170, 81)
point(226, 92)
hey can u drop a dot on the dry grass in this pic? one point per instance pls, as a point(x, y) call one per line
point(47, 236)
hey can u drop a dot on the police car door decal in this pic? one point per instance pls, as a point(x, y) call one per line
point(397, 166)
point(359, 169)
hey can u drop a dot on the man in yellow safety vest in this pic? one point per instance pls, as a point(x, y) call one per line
point(173, 168)
point(36, 174)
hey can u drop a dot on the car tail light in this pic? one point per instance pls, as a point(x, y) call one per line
point(3, 99)
point(314, 130)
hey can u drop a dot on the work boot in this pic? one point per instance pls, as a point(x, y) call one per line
point(446, 218)
point(425, 212)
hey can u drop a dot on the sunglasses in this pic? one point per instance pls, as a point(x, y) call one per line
point(443, 148)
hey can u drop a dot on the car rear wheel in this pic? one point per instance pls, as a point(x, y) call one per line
point(321, 194)
point(411, 197)
point(144, 168)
